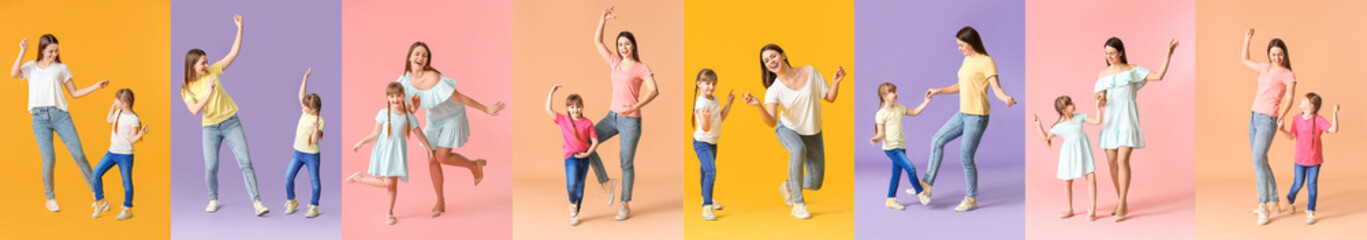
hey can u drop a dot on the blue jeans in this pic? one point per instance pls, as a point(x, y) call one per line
point(214, 135)
point(804, 153)
point(1310, 176)
point(47, 120)
point(1261, 129)
point(969, 126)
point(707, 157)
point(125, 162)
point(900, 163)
point(630, 128)
point(303, 159)
point(575, 172)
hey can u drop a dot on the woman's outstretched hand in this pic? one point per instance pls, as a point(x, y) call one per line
point(751, 100)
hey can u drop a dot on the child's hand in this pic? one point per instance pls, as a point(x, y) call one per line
point(582, 155)
point(1336, 109)
point(730, 96)
point(555, 87)
point(873, 142)
point(751, 100)
point(1279, 124)
point(1036, 118)
point(706, 114)
point(932, 92)
point(23, 45)
point(308, 72)
point(357, 147)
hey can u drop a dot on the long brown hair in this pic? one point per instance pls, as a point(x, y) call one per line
point(43, 41)
point(191, 58)
point(1119, 46)
point(1286, 54)
point(126, 96)
point(704, 73)
point(883, 90)
point(408, 66)
point(574, 100)
point(970, 36)
point(1060, 103)
point(315, 102)
point(766, 76)
point(1315, 102)
point(395, 88)
point(635, 47)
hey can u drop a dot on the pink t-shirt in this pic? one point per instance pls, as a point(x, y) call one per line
point(1308, 144)
point(1271, 87)
point(575, 133)
point(626, 85)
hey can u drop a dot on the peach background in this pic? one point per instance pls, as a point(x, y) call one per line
point(128, 45)
point(1314, 33)
point(726, 36)
point(554, 45)
point(470, 41)
point(1064, 44)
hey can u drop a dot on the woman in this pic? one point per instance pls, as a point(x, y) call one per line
point(1276, 83)
point(794, 102)
point(447, 125)
point(976, 74)
point(47, 76)
point(629, 75)
point(1117, 87)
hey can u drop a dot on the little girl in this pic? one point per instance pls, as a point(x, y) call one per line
point(580, 141)
point(389, 157)
point(1306, 129)
point(306, 152)
point(1075, 159)
point(127, 130)
point(707, 117)
point(888, 129)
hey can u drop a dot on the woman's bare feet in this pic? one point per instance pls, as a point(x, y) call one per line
point(1066, 214)
point(439, 209)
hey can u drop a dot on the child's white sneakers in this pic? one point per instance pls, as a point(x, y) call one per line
point(100, 207)
point(125, 214)
point(290, 206)
point(313, 211)
point(893, 204)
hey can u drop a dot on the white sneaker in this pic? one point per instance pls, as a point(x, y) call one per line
point(100, 207)
point(574, 210)
point(1291, 208)
point(260, 209)
point(574, 221)
point(800, 211)
point(125, 214)
point(787, 195)
point(893, 204)
point(925, 188)
point(290, 206)
point(213, 206)
point(611, 190)
point(623, 211)
point(1262, 215)
point(707, 213)
point(925, 198)
point(1309, 217)
point(716, 205)
point(969, 204)
point(313, 211)
point(52, 206)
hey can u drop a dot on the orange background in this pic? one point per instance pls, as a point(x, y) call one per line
point(1064, 53)
point(127, 43)
point(554, 46)
point(470, 41)
point(1324, 59)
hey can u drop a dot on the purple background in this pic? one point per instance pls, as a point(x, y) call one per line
point(281, 40)
point(911, 44)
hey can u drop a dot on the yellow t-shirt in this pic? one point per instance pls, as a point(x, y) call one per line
point(973, 84)
point(220, 106)
point(892, 126)
point(305, 131)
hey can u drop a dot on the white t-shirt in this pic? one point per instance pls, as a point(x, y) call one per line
point(126, 126)
point(45, 84)
point(713, 133)
point(800, 109)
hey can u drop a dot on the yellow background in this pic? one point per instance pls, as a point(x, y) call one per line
point(126, 42)
point(726, 36)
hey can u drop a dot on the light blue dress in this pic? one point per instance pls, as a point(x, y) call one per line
point(389, 157)
point(447, 125)
point(1075, 157)
point(1121, 128)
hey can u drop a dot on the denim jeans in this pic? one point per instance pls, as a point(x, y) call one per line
point(47, 120)
point(630, 129)
point(707, 158)
point(1261, 129)
point(302, 159)
point(969, 126)
point(805, 152)
point(900, 163)
point(214, 135)
point(575, 172)
point(1310, 176)
point(125, 162)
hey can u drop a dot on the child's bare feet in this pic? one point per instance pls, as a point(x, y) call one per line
point(353, 177)
point(478, 170)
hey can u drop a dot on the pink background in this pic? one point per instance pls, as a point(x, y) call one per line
point(1064, 44)
point(471, 42)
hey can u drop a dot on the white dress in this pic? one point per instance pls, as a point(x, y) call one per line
point(1121, 128)
point(447, 125)
point(1075, 157)
point(389, 156)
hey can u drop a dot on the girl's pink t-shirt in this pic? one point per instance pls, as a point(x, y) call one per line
point(1271, 87)
point(1308, 144)
point(575, 133)
point(626, 85)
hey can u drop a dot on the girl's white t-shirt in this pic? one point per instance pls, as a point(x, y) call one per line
point(800, 109)
point(713, 133)
point(126, 127)
point(45, 84)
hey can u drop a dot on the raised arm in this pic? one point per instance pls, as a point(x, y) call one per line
point(703, 118)
point(835, 84)
point(919, 108)
point(19, 61)
point(603, 49)
point(1334, 124)
point(379, 127)
point(648, 93)
point(1172, 46)
point(78, 93)
point(1048, 137)
point(549, 99)
point(1243, 57)
point(237, 45)
point(1098, 118)
point(730, 98)
point(112, 115)
point(304, 85)
point(766, 111)
point(142, 131)
point(1001, 93)
point(492, 110)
